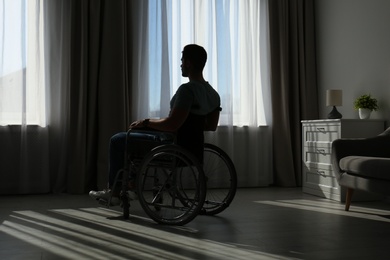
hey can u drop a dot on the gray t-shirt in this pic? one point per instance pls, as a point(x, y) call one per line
point(200, 98)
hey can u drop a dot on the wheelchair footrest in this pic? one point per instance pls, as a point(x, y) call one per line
point(103, 202)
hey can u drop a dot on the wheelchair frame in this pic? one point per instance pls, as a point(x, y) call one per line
point(172, 186)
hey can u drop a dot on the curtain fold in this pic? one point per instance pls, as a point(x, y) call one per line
point(57, 42)
point(294, 86)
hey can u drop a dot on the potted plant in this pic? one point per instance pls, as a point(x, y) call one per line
point(365, 104)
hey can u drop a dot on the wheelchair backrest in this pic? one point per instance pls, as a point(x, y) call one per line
point(211, 120)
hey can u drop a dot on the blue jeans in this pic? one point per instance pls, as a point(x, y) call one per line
point(118, 147)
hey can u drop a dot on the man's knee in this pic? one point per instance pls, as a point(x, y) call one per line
point(118, 141)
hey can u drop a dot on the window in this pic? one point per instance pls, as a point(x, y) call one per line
point(234, 33)
point(22, 77)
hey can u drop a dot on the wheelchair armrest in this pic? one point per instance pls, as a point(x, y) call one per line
point(152, 135)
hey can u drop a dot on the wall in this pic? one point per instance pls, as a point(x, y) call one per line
point(353, 53)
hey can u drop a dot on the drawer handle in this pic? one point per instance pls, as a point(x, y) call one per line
point(322, 173)
point(321, 129)
point(321, 151)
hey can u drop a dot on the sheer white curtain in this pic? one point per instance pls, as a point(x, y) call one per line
point(31, 39)
point(235, 35)
point(22, 74)
point(23, 132)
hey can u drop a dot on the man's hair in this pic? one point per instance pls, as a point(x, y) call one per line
point(196, 54)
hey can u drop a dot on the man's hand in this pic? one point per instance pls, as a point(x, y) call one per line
point(139, 124)
point(136, 124)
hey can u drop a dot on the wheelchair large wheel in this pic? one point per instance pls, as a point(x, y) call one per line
point(221, 179)
point(171, 185)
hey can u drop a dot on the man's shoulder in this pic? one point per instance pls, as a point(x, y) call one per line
point(188, 85)
point(184, 88)
point(196, 88)
point(194, 85)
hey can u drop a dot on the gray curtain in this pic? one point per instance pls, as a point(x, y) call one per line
point(294, 86)
point(100, 70)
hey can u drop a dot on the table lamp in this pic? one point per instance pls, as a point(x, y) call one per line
point(334, 97)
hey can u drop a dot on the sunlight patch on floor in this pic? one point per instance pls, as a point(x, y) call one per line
point(89, 233)
point(331, 207)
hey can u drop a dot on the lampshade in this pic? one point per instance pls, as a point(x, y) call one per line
point(334, 97)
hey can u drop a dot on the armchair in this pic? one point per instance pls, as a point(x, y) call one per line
point(362, 164)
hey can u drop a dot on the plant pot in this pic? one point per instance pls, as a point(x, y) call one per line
point(364, 113)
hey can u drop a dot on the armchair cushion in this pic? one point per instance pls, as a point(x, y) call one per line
point(368, 167)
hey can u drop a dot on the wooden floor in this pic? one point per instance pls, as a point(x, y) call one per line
point(263, 223)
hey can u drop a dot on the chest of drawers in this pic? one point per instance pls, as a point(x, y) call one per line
point(317, 137)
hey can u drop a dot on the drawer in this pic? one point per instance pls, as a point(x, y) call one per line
point(321, 133)
point(316, 154)
point(319, 178)
point(319, 168)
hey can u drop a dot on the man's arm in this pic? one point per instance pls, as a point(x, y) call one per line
point(171, 123)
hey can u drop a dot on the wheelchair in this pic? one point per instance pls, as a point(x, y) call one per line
point(172, 186)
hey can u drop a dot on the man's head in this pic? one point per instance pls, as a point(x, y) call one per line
point(194, 57)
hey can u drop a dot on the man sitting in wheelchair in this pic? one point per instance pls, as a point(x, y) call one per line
point(194, 108)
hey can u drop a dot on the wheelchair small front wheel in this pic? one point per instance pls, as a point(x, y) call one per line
point(171, 185)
